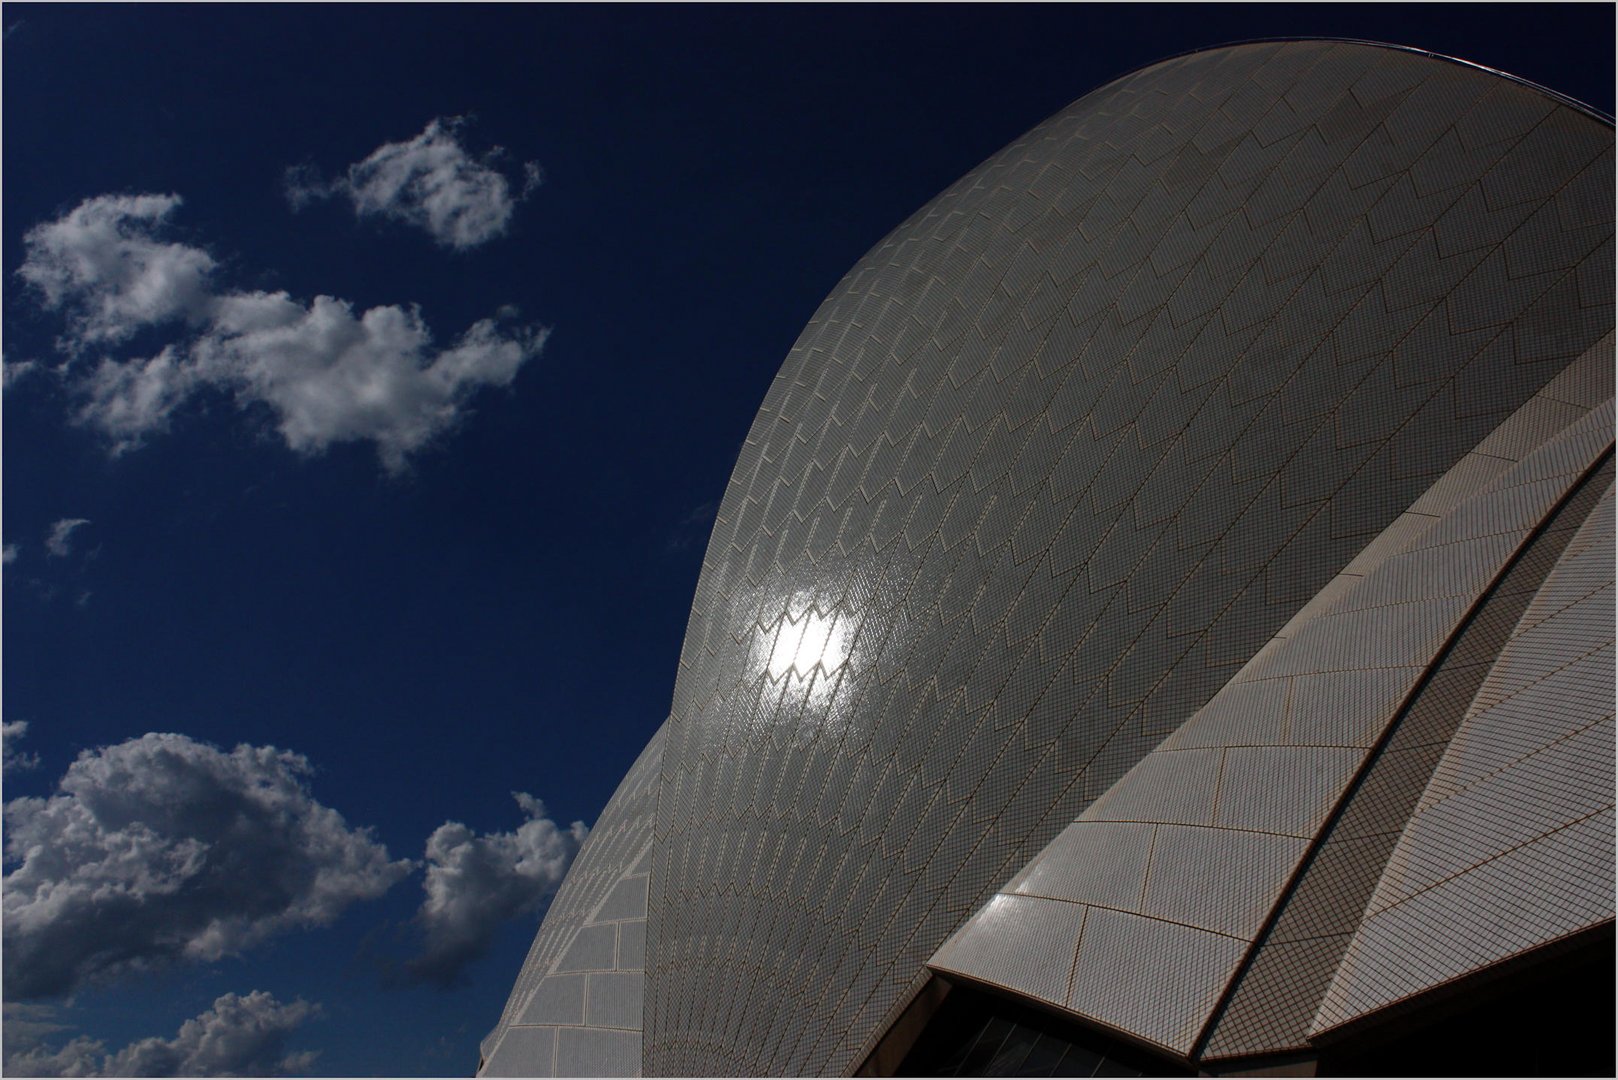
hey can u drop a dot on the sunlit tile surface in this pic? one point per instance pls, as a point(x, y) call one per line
point(1053, 463)
point(577, 1006)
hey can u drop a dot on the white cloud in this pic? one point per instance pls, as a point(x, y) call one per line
point(429, 182)
point(59, 540)
point(475, 883)
point(132, 399)
point(331, 376)
point(237, 1036)
point(325, 374)
point(103, 266)
point(8, 554)
point(10, 759)
point(162, 848)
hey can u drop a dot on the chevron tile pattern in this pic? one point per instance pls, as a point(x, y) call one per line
point(1051, 464)
point(1053, 461)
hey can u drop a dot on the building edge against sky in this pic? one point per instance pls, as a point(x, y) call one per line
point(1162, 613)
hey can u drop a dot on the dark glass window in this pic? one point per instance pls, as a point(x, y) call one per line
point(974, 1033)
point(1556, 1020)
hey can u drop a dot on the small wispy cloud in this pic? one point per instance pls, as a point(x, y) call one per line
point(10, 758)
point(239, 1035)
point(475, 883)
point(59, 538)
point(13, 372)
point(8, 554)
point(429, 182)
point(694, 527)
point(326, 373)
point(27, 1022)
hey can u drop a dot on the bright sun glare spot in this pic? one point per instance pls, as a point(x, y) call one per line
point(810, 640)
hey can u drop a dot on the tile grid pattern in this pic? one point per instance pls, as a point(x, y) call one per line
point(577, 1005)
point(1183, 859)
point(1275, 1000)
point(1055, 460)
point(1511, 846)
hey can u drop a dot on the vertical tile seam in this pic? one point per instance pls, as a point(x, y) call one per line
point(1073, 965)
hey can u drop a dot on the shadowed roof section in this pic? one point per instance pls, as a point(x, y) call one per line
point(1168, 881)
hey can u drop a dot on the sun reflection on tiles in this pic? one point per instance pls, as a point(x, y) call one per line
point(809, 640)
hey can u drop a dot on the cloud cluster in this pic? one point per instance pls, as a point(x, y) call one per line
point(475, 883)
point(163, 848)
point(429, 182)
point(326, 374)
point(10, 758)
point(237, 1036)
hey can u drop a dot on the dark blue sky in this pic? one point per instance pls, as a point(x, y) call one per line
point(506, 614)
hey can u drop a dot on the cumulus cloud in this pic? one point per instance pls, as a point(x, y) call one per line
point(59, 539)
point(104, 266)
point(475, 883)
point(238, 1036)
point(10, 758)
point(163, 848)
point(429, 182)
point(333, 376)
point(325, 373)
